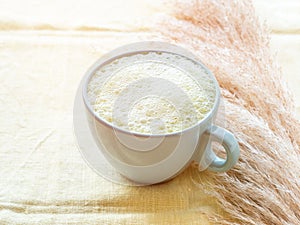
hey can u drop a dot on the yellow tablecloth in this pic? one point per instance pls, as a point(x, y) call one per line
point(45, 48)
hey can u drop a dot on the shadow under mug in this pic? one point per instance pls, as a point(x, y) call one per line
point(154, 158)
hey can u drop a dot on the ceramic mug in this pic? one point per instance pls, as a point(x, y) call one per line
point(154, 158)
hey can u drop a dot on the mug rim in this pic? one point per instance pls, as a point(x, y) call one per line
point(113, 55)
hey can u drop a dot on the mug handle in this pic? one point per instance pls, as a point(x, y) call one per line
point(230, 144)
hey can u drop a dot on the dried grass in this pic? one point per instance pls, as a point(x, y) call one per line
point(264, 187)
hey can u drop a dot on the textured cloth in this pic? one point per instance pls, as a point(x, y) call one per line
point(44, 179)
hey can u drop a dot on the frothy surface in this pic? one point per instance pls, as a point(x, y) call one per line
point(152, 93)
